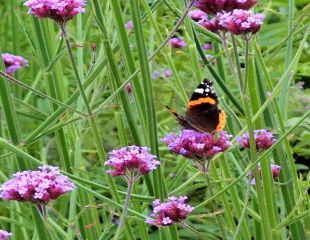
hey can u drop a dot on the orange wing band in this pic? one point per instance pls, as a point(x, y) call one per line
point(201, 100)
point(222, 121)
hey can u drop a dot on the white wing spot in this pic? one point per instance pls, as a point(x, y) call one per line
point(199, 90)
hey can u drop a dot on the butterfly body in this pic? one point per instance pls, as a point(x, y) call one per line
point(202, 112)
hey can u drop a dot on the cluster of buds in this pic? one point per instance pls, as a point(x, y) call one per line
point(177, 42)
point(264, 139)
point(12, 62)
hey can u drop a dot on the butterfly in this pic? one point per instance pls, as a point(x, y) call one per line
point(202, 112)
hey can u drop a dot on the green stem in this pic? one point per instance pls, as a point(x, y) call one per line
point(92, 121)
point(125, 208)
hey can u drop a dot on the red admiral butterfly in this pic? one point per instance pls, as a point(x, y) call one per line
point(202, 112)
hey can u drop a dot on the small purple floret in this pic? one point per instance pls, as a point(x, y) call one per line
point(264, 139)
point(59, 10)
point(168, 73)
point(39, 186)
point(13, 62)
point(4, 235)
point(177, 42)
point(197, 145)
point(131, 160)
point(174, 210)
point(129, 25)
point(197, 15)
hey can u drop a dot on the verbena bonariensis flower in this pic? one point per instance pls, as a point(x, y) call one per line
point(240, 21)
point(215, 6)
point(4, 235)
point(38, 186)
point(168, 73)
point(174, 210)
point(263, 139)
point(129, 25)
point(59, 10)
point(12, 62)
point(197, 145)
point(207, 46)
point(131, 161)
point(275, 171)
point(197, 15)
point(210, 24)
point(177, 42)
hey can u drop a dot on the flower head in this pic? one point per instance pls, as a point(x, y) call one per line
point(207, 46)
point(59, 10)
point(197, 145)
point(177, 42)
point(240, 21)
point(172, 211)
point(168, 73)
point(197, 15)
point(131, 160)
point(210, 24)
point(4, 235)
point(39, 186)
point(129, 25)
point(264, 139)
point(275, 171)
point(215, 6)
point(12, 62)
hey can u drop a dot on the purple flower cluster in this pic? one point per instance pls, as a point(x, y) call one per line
point(39, 186)
point(240, 21)
point(237, 22)
point(275, 171)
point(172, 211)
point(177, 42)
point(131, 160)
point(197, 145)
point(263, 139)
point(215, 6)
point(228, 16)
point(4, 235)
point(59, 10)
point(12, 62)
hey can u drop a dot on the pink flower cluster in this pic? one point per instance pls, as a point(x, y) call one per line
point(172, 211)
point(237, 22)
point(58, 10)
point(4, 235)
point(39, 186)
point(275, 171)
point(131, 160)
point(240, 21)
point(263, 139)
point(12, 62)
point(197, 145)
point(177, 42)
point(215, 6)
